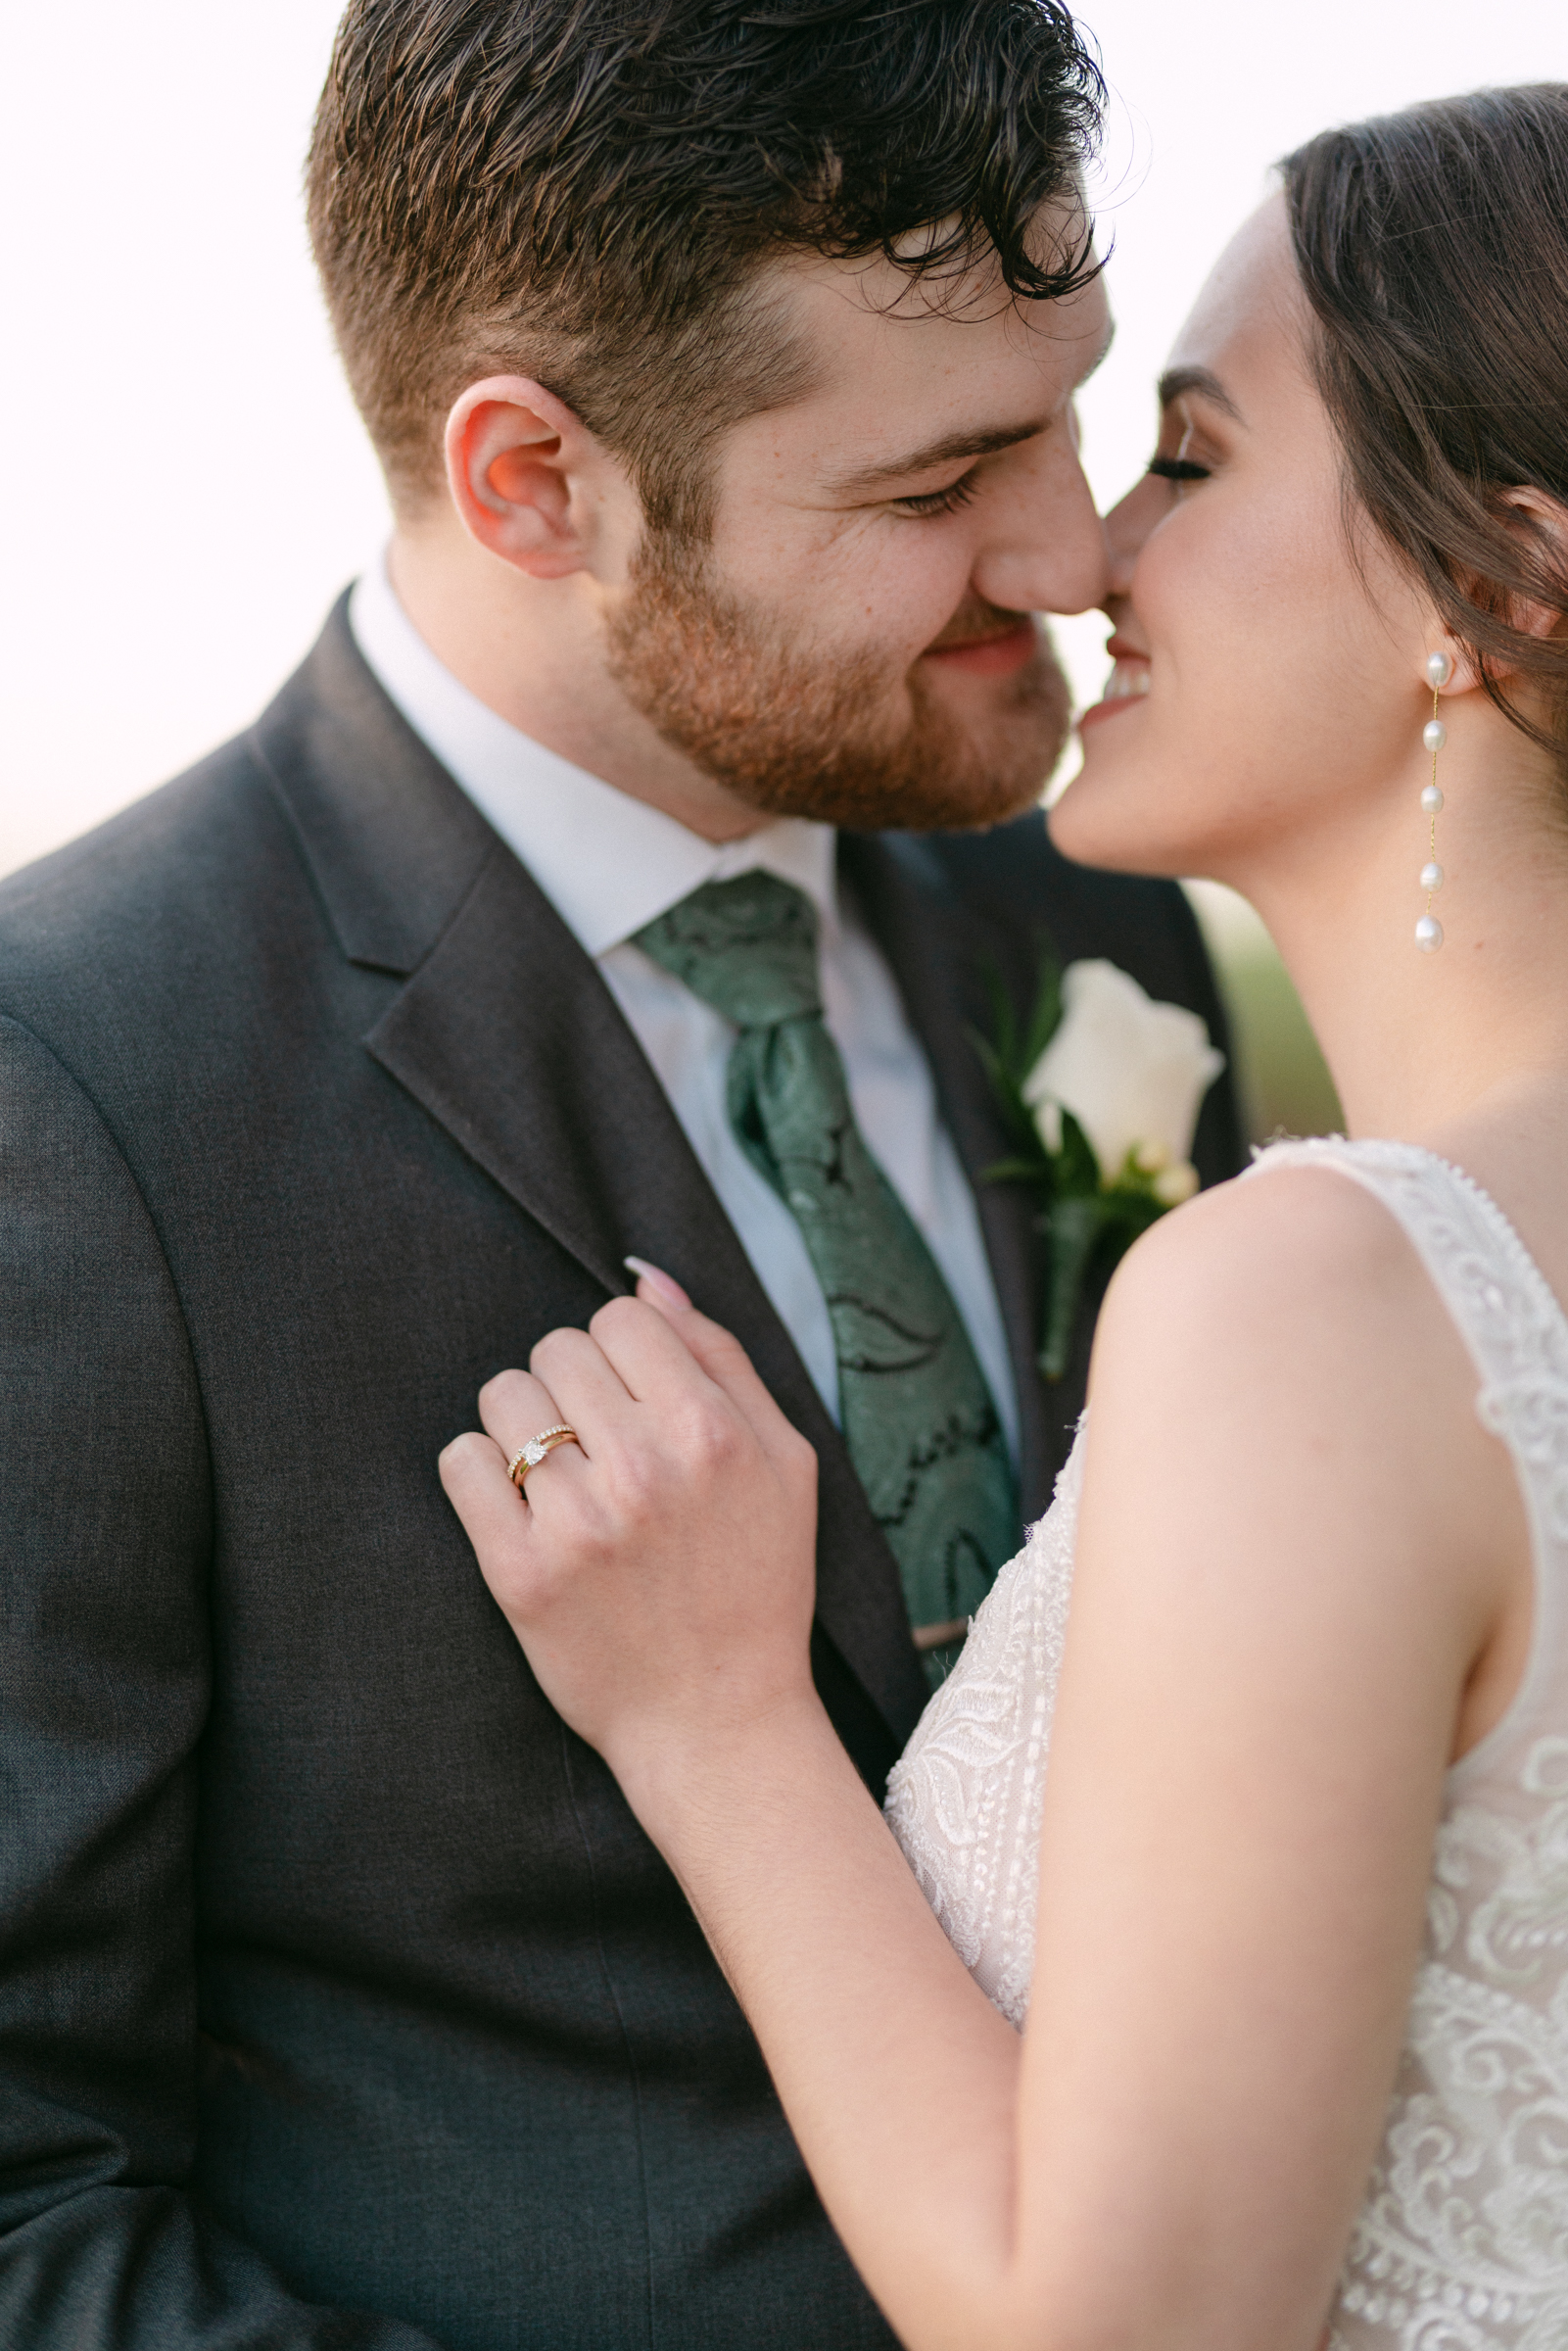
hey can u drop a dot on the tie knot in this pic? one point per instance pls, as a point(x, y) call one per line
point(748, 947)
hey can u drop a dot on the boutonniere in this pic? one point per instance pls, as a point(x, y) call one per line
point(1099, 1090)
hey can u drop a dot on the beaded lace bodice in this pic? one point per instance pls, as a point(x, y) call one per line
point(1461, 2243)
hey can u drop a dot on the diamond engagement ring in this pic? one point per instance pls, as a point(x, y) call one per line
point(528, 1457)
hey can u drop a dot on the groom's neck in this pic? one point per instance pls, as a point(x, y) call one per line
point(534, 653)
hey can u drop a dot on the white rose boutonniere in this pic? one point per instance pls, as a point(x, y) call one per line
point(1101, 1093)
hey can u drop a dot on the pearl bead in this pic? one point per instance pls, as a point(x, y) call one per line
point(1429, 934)
point(1434, 734)
point(1431, 876)
point(1432, 798)
point(1439, 670)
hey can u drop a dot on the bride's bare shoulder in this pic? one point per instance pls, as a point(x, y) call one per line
point(1275, 1370)
point(1286, 1269)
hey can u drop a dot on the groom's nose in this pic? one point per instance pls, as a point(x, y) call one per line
point(1047, 551)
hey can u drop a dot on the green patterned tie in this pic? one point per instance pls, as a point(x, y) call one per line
point(918, 1417)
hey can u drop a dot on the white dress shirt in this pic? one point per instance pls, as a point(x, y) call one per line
point(608, 864)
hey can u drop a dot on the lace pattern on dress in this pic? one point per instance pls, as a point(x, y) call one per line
point(1462, 2241)
point(964, 1800)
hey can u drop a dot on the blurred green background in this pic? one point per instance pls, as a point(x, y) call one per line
point(1285, 1088)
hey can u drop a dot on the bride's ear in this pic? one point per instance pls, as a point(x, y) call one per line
point(1539, 526)
point(1464, 676)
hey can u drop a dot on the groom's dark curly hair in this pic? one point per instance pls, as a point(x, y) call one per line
point(586, 191)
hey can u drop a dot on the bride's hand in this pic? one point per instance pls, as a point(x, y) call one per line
point(659, 1573)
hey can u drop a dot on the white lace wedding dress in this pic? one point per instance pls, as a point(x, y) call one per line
point(1462, 2241)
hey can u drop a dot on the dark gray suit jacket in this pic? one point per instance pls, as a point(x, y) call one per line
point(335, 1975)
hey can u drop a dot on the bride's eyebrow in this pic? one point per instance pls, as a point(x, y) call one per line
point(1177, 382)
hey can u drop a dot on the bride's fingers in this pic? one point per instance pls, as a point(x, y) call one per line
point(515, 1406)
point(587, 1386)
point(657, 1288)
point(644, 1358)
point(486, 1501)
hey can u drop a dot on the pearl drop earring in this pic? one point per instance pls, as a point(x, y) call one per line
point(1429, 931)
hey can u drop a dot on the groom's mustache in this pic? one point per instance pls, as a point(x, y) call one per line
point(975, 622)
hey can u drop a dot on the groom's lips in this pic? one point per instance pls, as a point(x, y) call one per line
point(995, 656)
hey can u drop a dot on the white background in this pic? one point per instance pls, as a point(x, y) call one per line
point(186, 483)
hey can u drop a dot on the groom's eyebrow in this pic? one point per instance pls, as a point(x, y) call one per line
point(948, 446)
point(940, 452)
point(1177, 382)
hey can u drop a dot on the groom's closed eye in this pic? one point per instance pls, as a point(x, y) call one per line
point(940, 502)
point(869, 481)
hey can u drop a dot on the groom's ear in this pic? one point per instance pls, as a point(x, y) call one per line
point(517, 460)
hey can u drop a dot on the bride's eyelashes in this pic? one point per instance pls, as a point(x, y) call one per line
point(940, 502)
point(1178, 469)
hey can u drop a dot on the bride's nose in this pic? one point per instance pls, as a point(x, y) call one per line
point(1126, 527)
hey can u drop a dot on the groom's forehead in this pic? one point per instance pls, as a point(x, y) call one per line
point(902, 375)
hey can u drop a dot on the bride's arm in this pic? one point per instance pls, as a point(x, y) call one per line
point(1295, 1543)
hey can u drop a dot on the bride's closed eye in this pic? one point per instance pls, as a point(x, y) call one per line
point(1178, 469)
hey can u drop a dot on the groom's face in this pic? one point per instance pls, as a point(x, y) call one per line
point(859, 641)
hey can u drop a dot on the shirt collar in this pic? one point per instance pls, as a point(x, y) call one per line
point(608, 863)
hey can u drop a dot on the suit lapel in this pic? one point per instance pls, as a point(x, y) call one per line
point(939, 951)
point(506, 1034)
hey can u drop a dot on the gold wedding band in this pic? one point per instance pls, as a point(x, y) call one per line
point(528, 1457)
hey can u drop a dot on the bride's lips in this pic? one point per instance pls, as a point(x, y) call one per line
point(992, 656)
point(1125, 687)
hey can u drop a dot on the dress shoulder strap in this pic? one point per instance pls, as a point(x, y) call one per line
point(1517, 1337)
point(1504, 1309)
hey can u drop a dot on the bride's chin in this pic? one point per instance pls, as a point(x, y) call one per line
point(1117, 823)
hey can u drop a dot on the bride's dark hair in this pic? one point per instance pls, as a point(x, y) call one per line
point(1433, 247)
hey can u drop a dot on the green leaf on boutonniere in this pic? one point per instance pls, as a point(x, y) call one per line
point(1008, 1055)
point(1077, 1170)
point(1082, 1227)
point(1076, 1226)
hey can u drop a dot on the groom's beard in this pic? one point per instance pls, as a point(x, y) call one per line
point(844, 738)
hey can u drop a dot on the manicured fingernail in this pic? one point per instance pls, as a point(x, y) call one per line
point(662, 1284)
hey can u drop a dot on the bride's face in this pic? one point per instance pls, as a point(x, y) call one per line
point(1267, 675)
